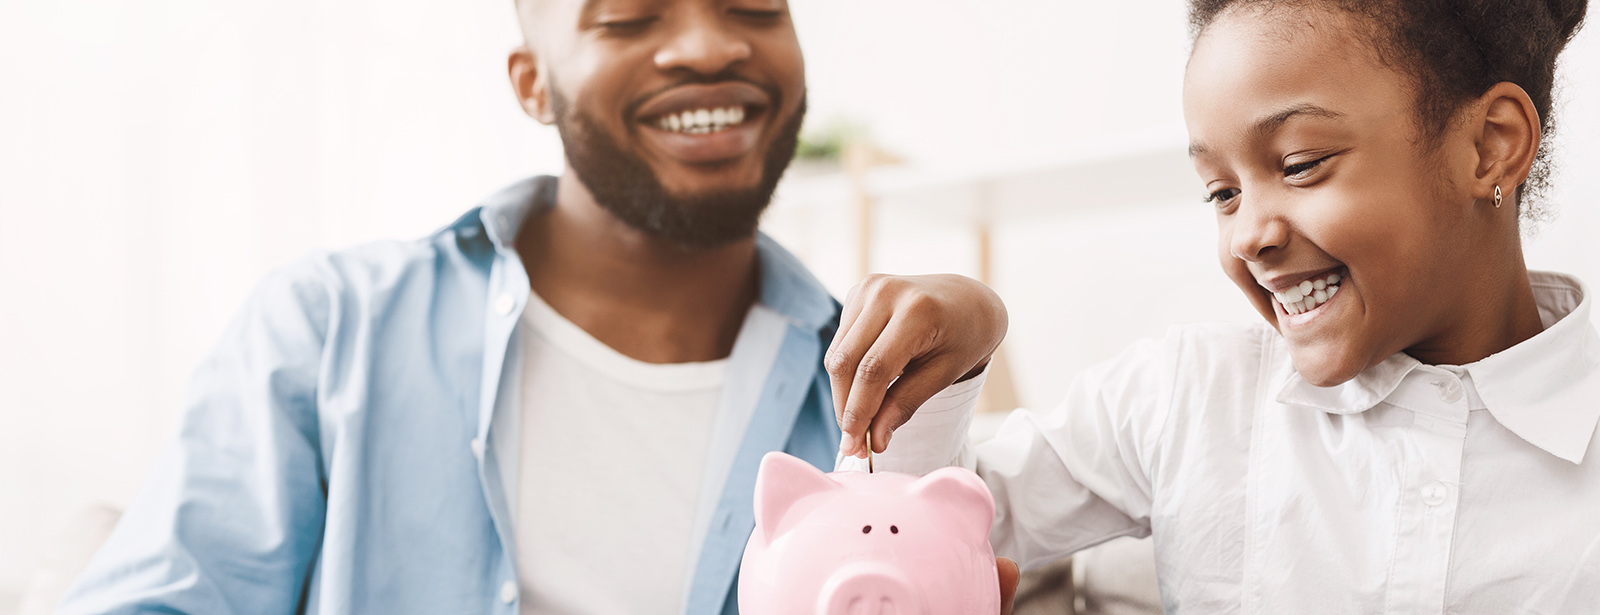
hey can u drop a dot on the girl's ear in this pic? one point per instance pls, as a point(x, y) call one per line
point(531, 84)
point(1507, 142)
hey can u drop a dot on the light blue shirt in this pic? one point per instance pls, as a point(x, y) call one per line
point(340, 450)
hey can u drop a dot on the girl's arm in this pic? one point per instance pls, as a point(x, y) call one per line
point(902, 339)
point(1063, 479)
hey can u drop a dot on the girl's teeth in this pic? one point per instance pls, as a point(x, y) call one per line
point(1308, 294)
point(702, 121)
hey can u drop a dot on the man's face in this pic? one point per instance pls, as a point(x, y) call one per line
point(679, 116)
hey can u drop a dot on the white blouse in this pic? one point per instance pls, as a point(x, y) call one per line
point(1410, 489)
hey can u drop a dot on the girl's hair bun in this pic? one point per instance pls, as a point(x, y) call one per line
point(1568, 16)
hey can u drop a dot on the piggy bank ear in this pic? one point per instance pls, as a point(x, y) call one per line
point(783, 480)
point(961, 493)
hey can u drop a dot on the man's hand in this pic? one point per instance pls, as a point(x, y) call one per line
point(1010, 575)
point(901, 340)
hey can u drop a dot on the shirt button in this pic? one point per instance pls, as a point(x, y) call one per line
point(1449, 391)
point(1435, 493)
point(504, 305)
point(477, 447)
point(508, 592)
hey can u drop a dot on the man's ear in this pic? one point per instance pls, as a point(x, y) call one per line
point(1507, 142)
point(531, 84)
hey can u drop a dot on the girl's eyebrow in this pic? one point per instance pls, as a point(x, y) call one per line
point(1270, 123)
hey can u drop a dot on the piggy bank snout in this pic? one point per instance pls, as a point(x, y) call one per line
point(869, 588)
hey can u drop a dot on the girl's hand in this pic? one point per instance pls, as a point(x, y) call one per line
point(901, 340)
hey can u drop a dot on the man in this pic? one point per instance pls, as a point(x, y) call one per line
point(556, 404)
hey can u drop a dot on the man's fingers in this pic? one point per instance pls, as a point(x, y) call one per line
point(1009, 575)
point(920, 382)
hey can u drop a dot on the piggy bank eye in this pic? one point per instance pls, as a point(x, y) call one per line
point(866, 529)
point(894, 530)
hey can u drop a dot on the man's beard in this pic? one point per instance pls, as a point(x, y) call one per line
point(627, 187)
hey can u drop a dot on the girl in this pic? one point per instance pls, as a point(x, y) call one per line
point(1412, 429)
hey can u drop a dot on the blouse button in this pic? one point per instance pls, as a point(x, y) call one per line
point(504, 305)
point(1449, 391)
point(1435, 493)
point(508, 592)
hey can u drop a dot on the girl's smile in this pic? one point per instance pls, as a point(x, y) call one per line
point(1299, 302)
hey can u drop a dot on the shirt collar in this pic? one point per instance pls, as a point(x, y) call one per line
point(1356, 395)
point(789, 288)
point(1545, 389)
point(786, 285)
point(502, 215)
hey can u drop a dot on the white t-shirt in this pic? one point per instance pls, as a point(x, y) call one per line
point(1410, 489)
point(613, 453)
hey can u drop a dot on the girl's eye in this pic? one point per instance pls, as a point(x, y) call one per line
point(1222, 196)
point(1300, 169)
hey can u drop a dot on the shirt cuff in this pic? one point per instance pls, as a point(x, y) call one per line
point(935, 437)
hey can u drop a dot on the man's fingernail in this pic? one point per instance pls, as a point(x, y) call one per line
point(887, 436)
point(847, 444)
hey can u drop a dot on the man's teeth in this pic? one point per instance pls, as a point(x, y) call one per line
point(1308, 295)
point(702, 121)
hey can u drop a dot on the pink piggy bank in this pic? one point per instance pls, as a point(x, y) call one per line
point(852, 543)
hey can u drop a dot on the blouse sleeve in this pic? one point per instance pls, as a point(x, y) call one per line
point(1063, 479)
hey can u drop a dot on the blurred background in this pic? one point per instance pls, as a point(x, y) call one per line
point(157, 157)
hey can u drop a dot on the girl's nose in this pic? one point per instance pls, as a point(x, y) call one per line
point(1256, 230)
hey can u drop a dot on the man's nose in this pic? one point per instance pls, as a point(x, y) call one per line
point(1257, 230)
point(704, 43)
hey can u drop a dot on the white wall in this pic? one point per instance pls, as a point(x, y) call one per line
point(156, 157)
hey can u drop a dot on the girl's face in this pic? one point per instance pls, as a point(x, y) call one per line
point(1341, 226)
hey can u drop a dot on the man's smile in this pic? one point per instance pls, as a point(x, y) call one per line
point(702, 121)
point(705, 123)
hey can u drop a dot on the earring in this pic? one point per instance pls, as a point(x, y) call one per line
point(1497, 196)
